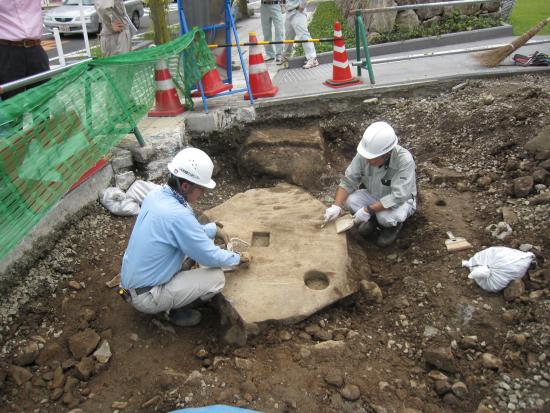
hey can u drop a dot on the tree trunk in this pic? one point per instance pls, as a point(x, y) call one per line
point(158, 17)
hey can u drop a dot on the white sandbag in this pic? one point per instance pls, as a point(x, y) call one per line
point(139, 190)
point(494, 267)
point(117, 203)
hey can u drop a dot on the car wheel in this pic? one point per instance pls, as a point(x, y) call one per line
point(135, 19)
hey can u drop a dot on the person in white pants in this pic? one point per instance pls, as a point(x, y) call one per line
point(271, 14)
point(296, 28)
point(387, 172)
point(165, 234)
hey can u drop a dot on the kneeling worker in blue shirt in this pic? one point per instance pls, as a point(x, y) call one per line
point(167, 232)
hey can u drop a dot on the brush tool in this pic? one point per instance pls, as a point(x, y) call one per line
point(456, 243)
point(494, 57)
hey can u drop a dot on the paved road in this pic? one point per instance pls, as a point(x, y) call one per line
point(75, 42)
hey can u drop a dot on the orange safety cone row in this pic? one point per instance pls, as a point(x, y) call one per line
point(167, 102)
point(341, 70)
point(260, 82)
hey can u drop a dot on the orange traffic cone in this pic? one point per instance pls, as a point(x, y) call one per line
point(212, 84)
point(220, 56)
point(260, 82)
point(167, 102)
point(341, 71)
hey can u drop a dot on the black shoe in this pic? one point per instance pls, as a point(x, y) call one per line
point(366, 228)
point(388, 235)
point(185, 317)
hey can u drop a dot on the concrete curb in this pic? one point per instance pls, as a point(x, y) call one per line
point(416, 44)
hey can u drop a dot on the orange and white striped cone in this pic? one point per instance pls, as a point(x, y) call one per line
point(341, 70)
point(260, 82)
point(167, 102)
point(220, 57)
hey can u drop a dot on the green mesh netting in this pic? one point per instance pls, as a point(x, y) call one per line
point(52, 134)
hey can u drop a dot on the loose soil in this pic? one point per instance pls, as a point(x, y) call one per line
point(478, 131)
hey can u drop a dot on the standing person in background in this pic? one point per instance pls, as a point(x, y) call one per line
point(271, 12)
point(21, 54)
point(296, 28)
point(115, 27)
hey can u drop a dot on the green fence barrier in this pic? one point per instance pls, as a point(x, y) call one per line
point(52, 134)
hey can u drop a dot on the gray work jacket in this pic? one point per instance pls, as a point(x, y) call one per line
point(393, 183)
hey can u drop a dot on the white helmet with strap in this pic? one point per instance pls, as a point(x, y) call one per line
point(193, 165)
point(379, 138)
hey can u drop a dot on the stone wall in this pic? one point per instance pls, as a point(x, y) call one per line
point(409, 19)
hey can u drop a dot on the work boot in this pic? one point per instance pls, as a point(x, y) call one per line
point(185, 317)
point(388, 235)
point(366, 228)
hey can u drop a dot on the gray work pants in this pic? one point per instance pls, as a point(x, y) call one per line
point(386, 218)
point(271, 15)
point(184, 288)
point(296, 29)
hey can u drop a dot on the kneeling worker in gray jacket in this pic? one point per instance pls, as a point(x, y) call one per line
point(387, 173)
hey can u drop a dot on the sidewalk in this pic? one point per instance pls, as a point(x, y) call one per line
point(297, 83)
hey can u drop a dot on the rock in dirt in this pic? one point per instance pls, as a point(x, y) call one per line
point(541, 176)
point(334, 378)
point(51, 351)
point(119, 405)
point(83, 370)
point(194, 378)
point(442, 358)
point(87, 313)
point(58, 380)
point(82, 344)
point(20, 375)
point(460, 390)
point(522, 186)
point(56, 394)
point(514, 290)
point(103, 353)
point(509, 216)
point(539, 143)
point(437, 375)
point(75, 285)
point(350, 392)
point(442, 387)
point(371, 291)
point(329, 348)
point(27, 354)
point(490, 361)
point(484, 409)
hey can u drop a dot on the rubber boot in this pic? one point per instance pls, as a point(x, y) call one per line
point(185, 317)
point(388, 235)
point(366, 228)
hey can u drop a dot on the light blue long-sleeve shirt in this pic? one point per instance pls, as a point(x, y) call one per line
point(393, 184)
point(164, 234)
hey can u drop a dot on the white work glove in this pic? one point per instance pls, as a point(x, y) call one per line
point(283, 8)
point(332, 213)
point(361, 216)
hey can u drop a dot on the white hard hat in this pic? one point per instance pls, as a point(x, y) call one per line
point(193, 165)
point(379, 138)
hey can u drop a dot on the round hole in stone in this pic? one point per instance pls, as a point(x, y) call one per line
point(316, 280)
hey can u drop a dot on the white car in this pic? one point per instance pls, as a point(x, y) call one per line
point(67, 16)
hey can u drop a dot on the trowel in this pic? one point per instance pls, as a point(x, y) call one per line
point(344, 223)
point(456, 243)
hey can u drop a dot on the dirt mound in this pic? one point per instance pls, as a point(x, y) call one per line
point(435, 343)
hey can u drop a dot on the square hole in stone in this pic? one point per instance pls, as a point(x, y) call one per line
point(260, 239)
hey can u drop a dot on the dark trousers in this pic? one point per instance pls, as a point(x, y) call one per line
point(19, 62)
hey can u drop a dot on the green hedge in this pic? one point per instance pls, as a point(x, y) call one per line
point(322, 25)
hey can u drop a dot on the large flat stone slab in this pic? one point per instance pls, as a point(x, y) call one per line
point(298, 267)
point(296, 155)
